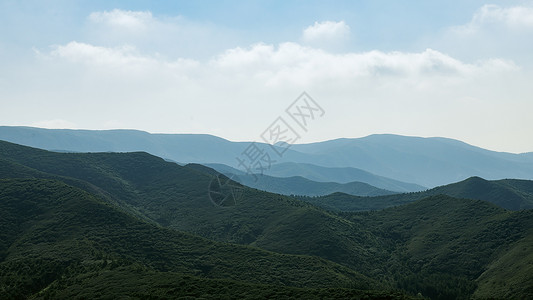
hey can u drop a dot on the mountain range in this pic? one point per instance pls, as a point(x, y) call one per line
point(511, 194)
point(298, 185)
point(91, 225)
point(320, 174)
point(426, 162)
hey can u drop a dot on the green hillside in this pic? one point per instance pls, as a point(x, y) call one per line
point(509, 276)
point(178, 197)
point(349, 203)
point(57, 234)
point(454, 247)
point(138, 283)
point(75, 216)
point(512, 194)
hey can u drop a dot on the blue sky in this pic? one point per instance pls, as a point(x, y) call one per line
point(387, 25)
point(458, 69)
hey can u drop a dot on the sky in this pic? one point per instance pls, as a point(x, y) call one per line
point(456, 69)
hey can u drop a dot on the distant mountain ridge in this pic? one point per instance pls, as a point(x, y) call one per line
point(511, 194)
point(297, 185)
point(340, 175)
point(323, 180)
point(427, 162)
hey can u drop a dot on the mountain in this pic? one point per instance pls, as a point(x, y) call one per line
point(76, 223)
point(427, 162)
point(342, 202)
point(59, 240)
point(514, 266)
point(471, 239)
point(340, 175)
point(297, 185)
point(511, 194)
point(182, 148)
point(527, 156)
point(184, 198)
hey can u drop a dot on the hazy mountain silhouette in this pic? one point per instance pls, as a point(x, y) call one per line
point(337, 179)
point(427, 162)
point(297, 185)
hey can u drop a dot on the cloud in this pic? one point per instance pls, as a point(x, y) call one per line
point(265, 73)
point(172, 36)
point(241, 90)
point(493, 31)
point(324, 33)
point(96, 55)
point(288, 64)
point(129, 20)
point(112, 79)
point(516, 17)
point(293, 63)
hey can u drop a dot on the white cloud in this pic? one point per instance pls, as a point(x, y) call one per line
point(244, 88)
point(86, 53)
point(517, 17)
point(493, 31)
point(172, 36)
point(292, 63)
point(118, 61)
point(263, 57)
point(289, 64)
point(130, 20)
point(324, 33)
point(117, 80)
